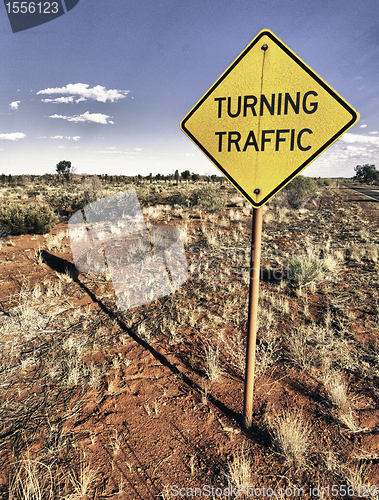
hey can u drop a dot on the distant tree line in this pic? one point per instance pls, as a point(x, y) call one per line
point(65, 173)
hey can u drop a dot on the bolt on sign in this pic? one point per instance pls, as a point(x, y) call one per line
point(266, 118)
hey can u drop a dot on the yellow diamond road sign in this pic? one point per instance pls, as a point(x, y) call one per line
point(266, 118)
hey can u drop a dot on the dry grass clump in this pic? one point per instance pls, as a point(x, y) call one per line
point(356, 253)
point(290, 435)
point(54, 242)
point(31, 480)
point(234, 346)
point(300, 352)
point(82, 482)
point(336, 388)
point(153, 212)
point(357, 478)
point(239, 468)
point(266, 356)
point(330, 262)
point(213, 368)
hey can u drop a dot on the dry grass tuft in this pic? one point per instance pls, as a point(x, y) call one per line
point(32, 480)
point(239, 468)
point(290, 435)
point(336, 389)
point(82, 482)
point(212, 357)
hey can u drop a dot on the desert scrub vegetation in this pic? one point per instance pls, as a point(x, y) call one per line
point(300, 190)
point(27, 218)
point(311, 350)
point(47, 377)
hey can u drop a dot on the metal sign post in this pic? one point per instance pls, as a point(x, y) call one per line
point(255, 263)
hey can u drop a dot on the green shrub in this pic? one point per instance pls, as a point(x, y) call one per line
point(32, 193)
point(300, 190)
point(209, 199)
point(32, 218)
point(177, 198)
point(303, 270)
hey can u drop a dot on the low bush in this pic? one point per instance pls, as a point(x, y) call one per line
point(303, 270)
point(32, 193)
point(32, 218)
point(300, 190)
point(177, 198)
point(209, 199)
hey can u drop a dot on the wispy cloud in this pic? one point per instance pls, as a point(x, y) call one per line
point(108, 152)
point(363, 126)
point(83, 90)
point(60, 137)
point(14, 104)
point(60, 100)
point(15, 136)
point(86, 117)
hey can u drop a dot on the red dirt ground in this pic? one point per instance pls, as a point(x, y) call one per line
point(152, 429)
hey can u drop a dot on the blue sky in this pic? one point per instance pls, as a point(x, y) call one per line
point(107, 84)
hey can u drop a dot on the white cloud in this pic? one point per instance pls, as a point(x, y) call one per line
point(374, 132)
point(98, 93)
point(362, 139)
point(76, 138)
point(14, 104)
point(362, 126)
point(15, 136)
point(86, 117)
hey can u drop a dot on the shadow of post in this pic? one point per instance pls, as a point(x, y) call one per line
point(62, 265)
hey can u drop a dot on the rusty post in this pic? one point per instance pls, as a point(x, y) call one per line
point(255, 262)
